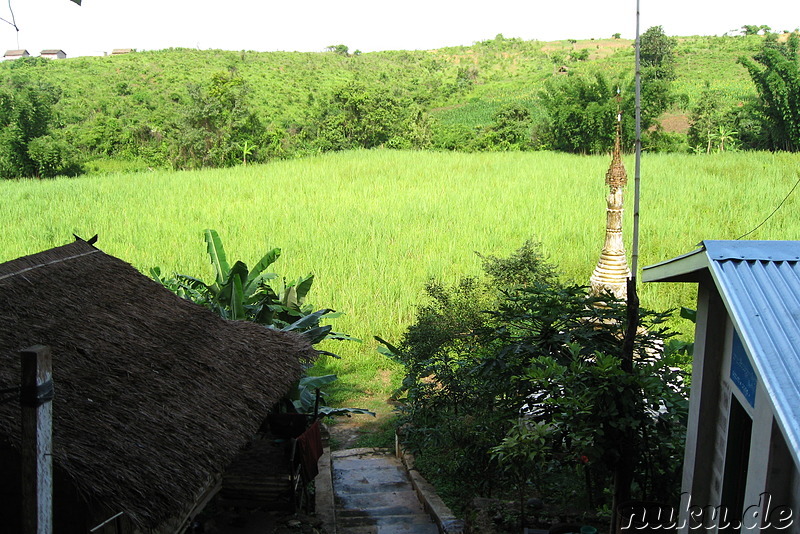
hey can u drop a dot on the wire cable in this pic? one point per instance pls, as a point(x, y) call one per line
point(775, 210)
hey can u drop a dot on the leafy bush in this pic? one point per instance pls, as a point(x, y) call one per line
point(54, 157)
point(579, 55)
point(515, 380)
point(658, 140)
point(239, 293)
point(581, 113)
point(510, 130)
point(367, 116)
point(775, 71)
point(217, 122)
point(27, 118)
point(656, 53)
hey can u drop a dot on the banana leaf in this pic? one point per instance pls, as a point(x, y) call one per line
point(237, 299)
point(315, 335)
point(231, 290)
point(255, 286)
point(217, 254)
point(255, 275)
point(310, 320)
point(302, 287)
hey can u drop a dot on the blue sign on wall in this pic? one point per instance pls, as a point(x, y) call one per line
point(742, 373)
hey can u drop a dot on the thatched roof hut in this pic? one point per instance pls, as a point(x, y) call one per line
point(153, 395)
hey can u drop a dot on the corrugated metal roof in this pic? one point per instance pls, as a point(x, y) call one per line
point(759, 281)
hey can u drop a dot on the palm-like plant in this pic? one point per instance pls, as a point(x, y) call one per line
point(240, 293)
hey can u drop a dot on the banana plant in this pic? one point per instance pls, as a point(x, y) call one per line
point(240, 293)
point(236, 288)
point(305, 400)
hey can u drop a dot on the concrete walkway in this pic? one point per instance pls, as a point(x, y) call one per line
point(374, 495)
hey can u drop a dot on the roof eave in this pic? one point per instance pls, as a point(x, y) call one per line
point(685, 268)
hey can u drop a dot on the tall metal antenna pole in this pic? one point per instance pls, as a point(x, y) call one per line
point(638, 149)
point(623, 472)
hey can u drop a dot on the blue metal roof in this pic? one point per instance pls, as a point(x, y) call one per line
point(759, 281)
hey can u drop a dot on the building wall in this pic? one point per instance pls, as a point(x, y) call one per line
point(728, 398)
point(705, 429)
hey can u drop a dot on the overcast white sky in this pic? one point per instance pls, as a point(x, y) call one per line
point(99, 26)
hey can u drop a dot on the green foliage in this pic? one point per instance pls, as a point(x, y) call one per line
point(579, 55)
point(218, 122)
point(711, 127)
point(581, 113)
point(705, 118)
point(159, 107)
point(28, 146)
point(239, 293)
point(304, 398)
point(510, 130)
point(466, 77)
point(755, 29)
point(54, 157)
point(522, 456)
point(339, 49)
point(656, 54)
point(367, 116)
point(246, 295)
point(523, 372)
point(775, 71)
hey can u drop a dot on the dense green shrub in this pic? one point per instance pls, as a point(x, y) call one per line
point(243, 294)
point(509, 130)
point(658, 140)
point(452, 136)
point(218, 125)
point(519, 359)
point(27, 119)
point(581, 113)
point(358, 115)
point(53, 157)
point(775, 71)
point(657, 55)
point(158, 107)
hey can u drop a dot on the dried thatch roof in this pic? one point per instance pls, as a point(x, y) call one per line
point(154, 394)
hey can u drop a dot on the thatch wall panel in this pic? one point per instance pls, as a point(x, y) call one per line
point(154, 394)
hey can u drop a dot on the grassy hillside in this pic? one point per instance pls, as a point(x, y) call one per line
point(145, 94)
point(374, 226)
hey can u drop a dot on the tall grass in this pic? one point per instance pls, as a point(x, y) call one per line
point(375, 225)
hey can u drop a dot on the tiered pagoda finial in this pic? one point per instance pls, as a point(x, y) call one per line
point(612, 272)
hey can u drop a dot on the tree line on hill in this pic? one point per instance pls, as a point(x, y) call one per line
point(216, 124)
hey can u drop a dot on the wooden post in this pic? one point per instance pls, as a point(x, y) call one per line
point(37, 443)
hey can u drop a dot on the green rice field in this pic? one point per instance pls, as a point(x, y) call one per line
point(375, 225)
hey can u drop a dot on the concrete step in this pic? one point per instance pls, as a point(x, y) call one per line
point(386, 520)
point(388, 529)
point(400, 502)
point(374, 495)
point(349, 487)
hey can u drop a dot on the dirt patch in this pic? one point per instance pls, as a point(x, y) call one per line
point(345, 433)
point(675, 122)
point(364, 430)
